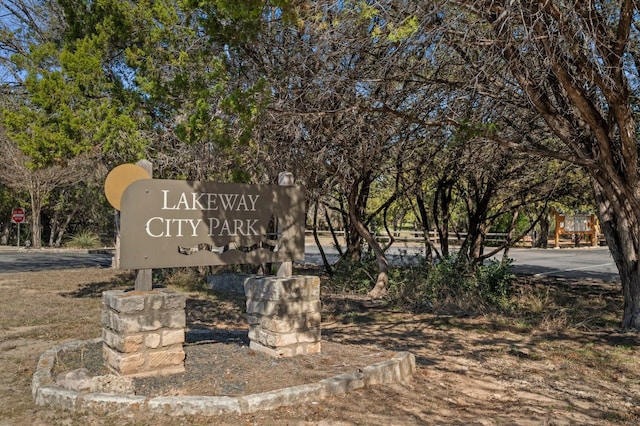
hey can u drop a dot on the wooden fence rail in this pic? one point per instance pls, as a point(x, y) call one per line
point(416, 237)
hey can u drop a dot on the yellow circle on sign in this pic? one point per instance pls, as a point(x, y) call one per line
point(119, 179)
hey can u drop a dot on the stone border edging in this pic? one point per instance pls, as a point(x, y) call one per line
point(399, 369)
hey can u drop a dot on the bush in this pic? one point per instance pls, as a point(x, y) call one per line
point(85, 240)
point(352, 277)
point(495, 280)
point(447, 285)
point(454, 284)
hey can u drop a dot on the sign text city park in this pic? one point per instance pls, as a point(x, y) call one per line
point(170, 223)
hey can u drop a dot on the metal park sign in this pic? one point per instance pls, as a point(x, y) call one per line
point(171, 223)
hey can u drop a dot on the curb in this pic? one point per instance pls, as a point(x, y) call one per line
point(45, 392)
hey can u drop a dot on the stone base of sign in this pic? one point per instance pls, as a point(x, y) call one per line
point(284, 315)
point(46, 392)
point(143, 332)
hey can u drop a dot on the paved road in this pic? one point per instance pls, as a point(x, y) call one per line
point(572, 263)
point(35, 260)
point(595, 263)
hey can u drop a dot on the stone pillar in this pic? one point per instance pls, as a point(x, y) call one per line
point(143, 332)
point(284, 315)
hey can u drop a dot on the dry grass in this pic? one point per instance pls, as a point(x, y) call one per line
point(555, 356)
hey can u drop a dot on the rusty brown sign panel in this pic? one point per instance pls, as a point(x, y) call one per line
point(172, 223)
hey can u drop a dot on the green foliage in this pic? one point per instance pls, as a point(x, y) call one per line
point(409, 27)
point(503, 223)
point(69, 108)
point(450, 284)
point(575, 193)
point(495, 281)
point(183, 61)
point(468, 130)
point(85, 240)
point(367, 11)
point(8, 200)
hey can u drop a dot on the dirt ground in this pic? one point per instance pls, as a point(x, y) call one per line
point(556, 359)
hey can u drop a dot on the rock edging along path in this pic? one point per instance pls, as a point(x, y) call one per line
point(45, 392)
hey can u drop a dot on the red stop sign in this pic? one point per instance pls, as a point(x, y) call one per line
point(17, 215)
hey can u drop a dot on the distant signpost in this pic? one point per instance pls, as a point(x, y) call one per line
point(17, 217)
point(585, 224)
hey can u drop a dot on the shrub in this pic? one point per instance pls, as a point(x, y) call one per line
point(454, 284)
point(451, 285)
point(447, 285)
point(495, 281)
point(84, 239)
point(352, 277)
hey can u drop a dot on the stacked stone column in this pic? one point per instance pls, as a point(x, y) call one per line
point(284, 315)
point(143, 332)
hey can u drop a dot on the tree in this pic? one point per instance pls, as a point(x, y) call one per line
point(184, 61)
point(38, 182)
point(571, 68)
point(342, 113)
point(63, 103)
point(107, 77)
point(78, 206)
point(65, 100)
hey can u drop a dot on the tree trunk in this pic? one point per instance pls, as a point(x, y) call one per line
point(327, 265)
point(620, 222)
point(477, 212)
point(390, 234)
point(541, 240)
point(382, 281)
point(36, 210)
point(398, 221)
point(424, 224)
point(62, 228)
point(357, 205)
point(442, 213)
point(512, 230)
point(54, 222)
point(352, 238)
point(337, 244)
